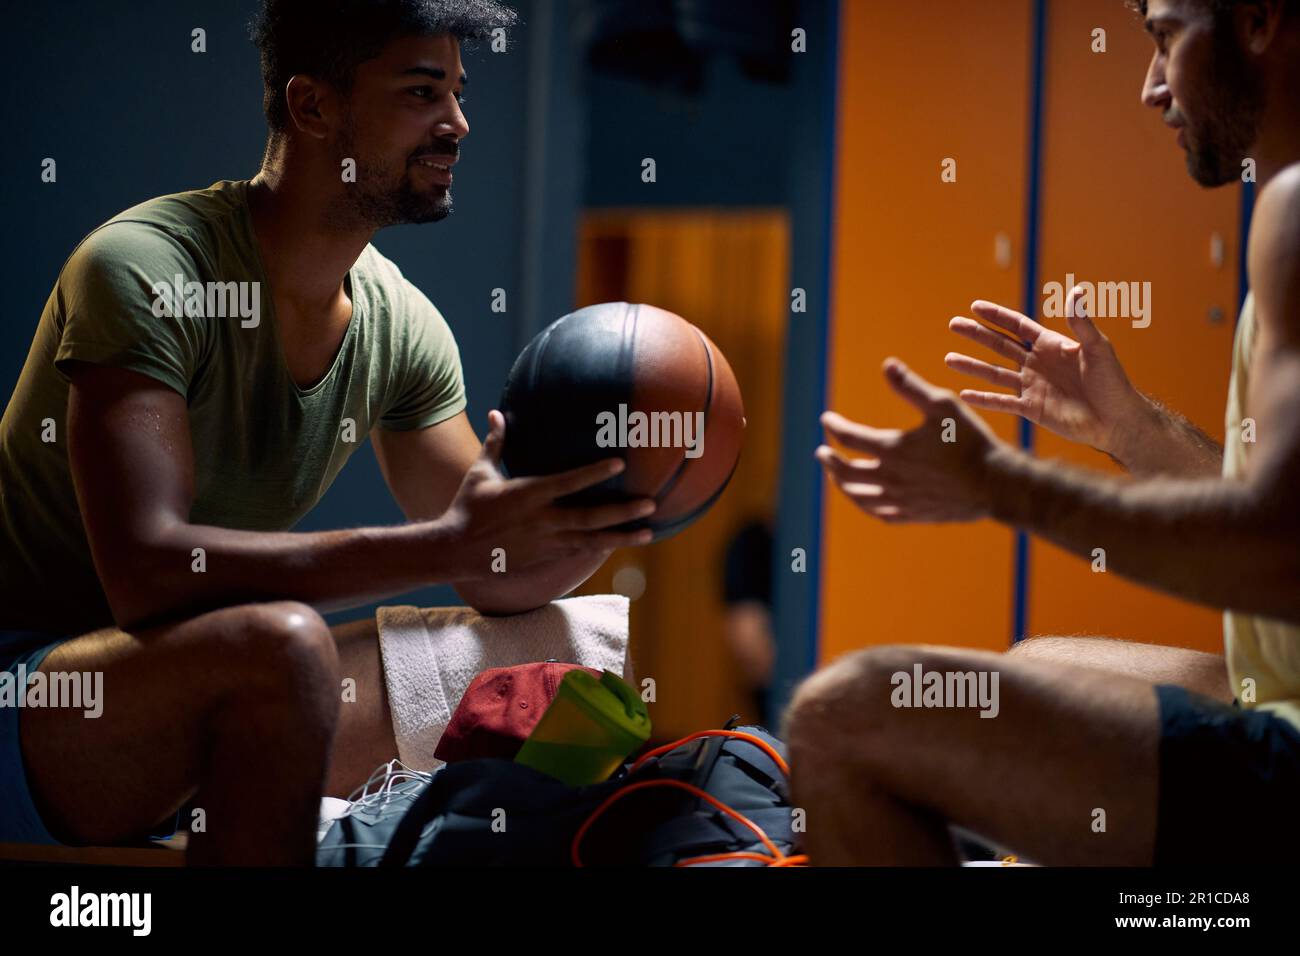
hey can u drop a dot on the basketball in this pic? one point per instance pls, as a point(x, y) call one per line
point(636, 382)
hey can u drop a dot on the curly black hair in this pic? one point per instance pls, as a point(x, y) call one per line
point(329, 38)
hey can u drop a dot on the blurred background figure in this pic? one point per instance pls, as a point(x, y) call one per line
point(747, 628)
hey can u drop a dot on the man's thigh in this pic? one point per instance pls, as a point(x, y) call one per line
point(1155, 663)
point(364, 738)
point(114, 776)
point(1066, 772)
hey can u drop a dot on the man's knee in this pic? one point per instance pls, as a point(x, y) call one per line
point(294, 632)
point(1069, 648)
point(1053, 646)
point(847, 701)
point(284, 646)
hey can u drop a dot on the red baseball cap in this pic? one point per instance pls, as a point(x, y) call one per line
point(500, 708)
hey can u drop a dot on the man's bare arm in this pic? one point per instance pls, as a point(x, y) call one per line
point(133, 469)
point(1225, 543)
point(1157, 440)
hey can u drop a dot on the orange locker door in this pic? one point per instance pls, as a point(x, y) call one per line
point(910, 252)
point(1119, 206)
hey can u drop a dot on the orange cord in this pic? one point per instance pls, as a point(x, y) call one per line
point(800, 859)
point(777, 858)
point(758, 742)
point(714, 857)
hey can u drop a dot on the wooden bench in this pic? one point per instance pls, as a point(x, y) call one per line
point(153, 853)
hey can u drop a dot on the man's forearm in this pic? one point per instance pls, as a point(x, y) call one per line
point(186, 569)
point(513, 592)
point(1215, 542)
point(1156, 440)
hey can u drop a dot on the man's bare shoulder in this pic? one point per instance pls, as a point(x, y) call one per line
point(1282, 191)
point(1273, 257)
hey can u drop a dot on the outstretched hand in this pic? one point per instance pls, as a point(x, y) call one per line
point(937, 471)
point(1074, 387)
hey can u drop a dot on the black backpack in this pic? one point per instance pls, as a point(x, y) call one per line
point(677, 804)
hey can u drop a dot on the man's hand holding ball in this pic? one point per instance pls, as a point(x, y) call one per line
point(520, 515)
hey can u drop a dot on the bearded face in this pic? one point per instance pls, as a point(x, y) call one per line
point(1224, 111)
point(392, 189)
point(1206, 85)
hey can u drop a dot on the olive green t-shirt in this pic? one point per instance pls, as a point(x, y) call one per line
point(167, 289)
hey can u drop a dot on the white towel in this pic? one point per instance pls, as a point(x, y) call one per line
point(430, 656)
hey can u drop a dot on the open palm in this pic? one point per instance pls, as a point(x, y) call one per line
point(1077, 389)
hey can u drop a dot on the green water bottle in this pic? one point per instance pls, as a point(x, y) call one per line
point(588, 731)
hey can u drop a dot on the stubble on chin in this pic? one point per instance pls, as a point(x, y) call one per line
point(358, 207)
point(1217, 148)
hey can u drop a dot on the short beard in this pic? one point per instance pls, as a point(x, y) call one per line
point(373, 203)
point(1218, 144)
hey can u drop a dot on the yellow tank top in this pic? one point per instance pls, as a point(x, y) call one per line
point(1260, 650)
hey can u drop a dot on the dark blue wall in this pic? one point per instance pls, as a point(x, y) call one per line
point(728, 145)
point(812, 182)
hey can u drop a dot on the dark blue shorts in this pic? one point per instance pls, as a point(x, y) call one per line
point(1229, 789)
point(19, 820)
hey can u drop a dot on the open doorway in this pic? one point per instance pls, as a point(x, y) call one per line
point(727, 272)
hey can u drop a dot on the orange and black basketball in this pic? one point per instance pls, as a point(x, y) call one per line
point(636, 382)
